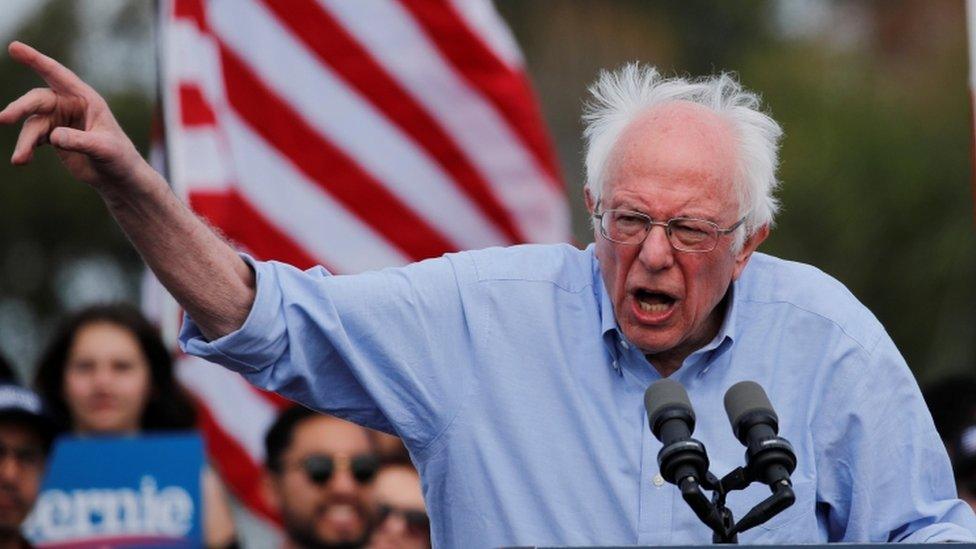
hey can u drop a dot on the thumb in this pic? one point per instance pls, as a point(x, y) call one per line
point(70, 139)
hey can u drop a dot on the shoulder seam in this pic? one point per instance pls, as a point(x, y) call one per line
point(862, 345)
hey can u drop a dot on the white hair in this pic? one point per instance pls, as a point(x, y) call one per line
point(619, 97)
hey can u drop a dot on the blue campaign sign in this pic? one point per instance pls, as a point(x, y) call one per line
point(121, 492)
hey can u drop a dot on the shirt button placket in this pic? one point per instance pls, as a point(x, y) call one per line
point(656, 495)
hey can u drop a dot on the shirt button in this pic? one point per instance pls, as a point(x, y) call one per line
point(658, 480)
point(624, 344)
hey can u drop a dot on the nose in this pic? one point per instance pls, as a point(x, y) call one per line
point(394, 524)
point(9, 468)
point(656, 252)
point(102, 374)
point(342, 482)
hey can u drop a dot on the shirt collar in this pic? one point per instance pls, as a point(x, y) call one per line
point(613, 337)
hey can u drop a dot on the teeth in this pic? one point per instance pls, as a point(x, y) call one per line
point(341, 512)
point(653, 307)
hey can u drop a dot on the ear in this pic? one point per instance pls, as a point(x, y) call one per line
point(589, 200)
point(270, 490)
point(750, 245)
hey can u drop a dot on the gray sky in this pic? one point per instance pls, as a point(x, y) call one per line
point(13, 12)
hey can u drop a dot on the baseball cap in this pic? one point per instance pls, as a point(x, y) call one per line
point(21, 404)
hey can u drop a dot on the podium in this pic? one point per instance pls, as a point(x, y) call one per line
point(784, 546)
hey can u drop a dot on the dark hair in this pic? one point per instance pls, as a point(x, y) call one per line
point(953, 406)
point(952, 402)
point(279, 436)
point(168, 408)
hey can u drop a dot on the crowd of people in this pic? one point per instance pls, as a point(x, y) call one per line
point(106, 372)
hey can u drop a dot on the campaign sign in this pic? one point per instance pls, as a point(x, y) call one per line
point(121, 492)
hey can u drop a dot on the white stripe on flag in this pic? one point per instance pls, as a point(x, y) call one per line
point(971, 27)
point(485, 22)
point(197, 58)
point(204, 159)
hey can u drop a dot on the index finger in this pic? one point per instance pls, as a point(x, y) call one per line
point(57, 76)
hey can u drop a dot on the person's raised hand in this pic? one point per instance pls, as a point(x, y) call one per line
point(72, 117)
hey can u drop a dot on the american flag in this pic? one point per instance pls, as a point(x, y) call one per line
point(352, 134)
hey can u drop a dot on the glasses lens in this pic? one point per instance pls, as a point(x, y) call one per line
point(417, 522)
point(624, 226)
point(693, 235)
point(364, 468)
point(318, 468)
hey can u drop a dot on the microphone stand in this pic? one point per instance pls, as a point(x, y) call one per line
point(718, 517)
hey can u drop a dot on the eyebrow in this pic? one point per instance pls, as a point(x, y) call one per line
point(628, 207)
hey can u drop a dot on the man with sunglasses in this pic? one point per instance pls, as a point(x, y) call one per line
point(399, 515)
point(515, 376)
point(316, 471)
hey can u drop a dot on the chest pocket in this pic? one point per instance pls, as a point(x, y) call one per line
point(797, 523)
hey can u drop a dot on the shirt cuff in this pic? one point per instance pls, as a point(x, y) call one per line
point(259, 342)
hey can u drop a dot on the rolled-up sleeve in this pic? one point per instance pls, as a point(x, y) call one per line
point(386, 349)
point(259, 342)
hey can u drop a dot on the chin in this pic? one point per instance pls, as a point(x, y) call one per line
point(650, 342)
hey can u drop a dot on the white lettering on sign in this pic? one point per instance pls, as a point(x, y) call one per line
point(86, 513)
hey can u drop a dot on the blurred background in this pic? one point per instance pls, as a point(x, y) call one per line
point(875, 165)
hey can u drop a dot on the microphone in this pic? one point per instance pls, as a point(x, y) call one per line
point(672, 421)
point(769, 457)
point(682, 459)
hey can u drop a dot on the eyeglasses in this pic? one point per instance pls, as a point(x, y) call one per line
point(417, 522)
point(25, 456)
point(685, 234)
point(319, 468)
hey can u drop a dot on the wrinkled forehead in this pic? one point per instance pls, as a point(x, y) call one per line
point(676, 140)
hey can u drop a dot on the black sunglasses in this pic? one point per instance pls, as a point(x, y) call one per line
point(418, 524)
point(319, 468)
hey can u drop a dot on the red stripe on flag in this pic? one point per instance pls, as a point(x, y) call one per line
point(274, 120)
point(240, 221)
point(334, 46)
point(195, 110)
point(238, 469)
point(509, 91)
point(194, 10)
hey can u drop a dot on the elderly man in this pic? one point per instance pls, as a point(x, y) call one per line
point(317, 469)
point(515, 376)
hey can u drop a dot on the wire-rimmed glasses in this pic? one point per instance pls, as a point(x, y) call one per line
point(685, 234)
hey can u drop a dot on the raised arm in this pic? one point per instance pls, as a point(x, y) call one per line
point(205, 275)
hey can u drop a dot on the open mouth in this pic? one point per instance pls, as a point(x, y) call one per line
point(653, 302)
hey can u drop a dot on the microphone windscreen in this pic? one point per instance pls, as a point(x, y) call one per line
point(746, 397)
point(664, 394)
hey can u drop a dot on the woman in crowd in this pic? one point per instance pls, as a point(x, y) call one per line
point(107, 372)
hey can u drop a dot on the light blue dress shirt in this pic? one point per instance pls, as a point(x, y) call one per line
point(521, 404)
